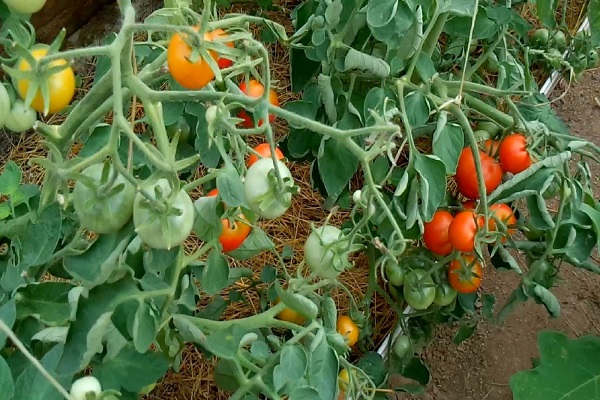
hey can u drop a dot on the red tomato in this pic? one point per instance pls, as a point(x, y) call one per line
point(467, 278)
point(256, 89)
point(232, 237)
point(514, 155)
point(463, 229)
point(435, 234)
point(490, 147)
point(265, 151)
point(469, 205)
point(504, 213)
point(466, 175)
point(190, 75)
point(218, 34)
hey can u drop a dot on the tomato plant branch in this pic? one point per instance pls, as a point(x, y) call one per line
point(431, 34)
point(486, 54)
point(9, 333)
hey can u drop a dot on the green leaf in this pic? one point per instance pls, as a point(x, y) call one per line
point(365, 62)
point(91, 322)
point(382, 12)
point(10, 179)
point(392, 33)
point(595, 218)
point(372, 364)
point(568, 369)
point(225, 375)
point(297, 302)
point(172, 111)
point(268, 274)
point(538, 213)
point(188, 331)
point(323, 371)
point(447, 145)
point(8, 314)
point(432, 173)
point(547, 298)
point(328, 97)
point(257, 242)
point(231, 187)
point(576, 242)
point(196, 118)
point(292, 367)
point(215, 273)
point(41, 237)
point(304, 393)
point(337, 166)
point(45, 301)
point(463, 8)
point(425, 67)
point(102, 259)
point(157, 261)
point(214, 309)
point(225, 343)
point(131, 370)
point(333, 12)
point(302, 108)
point(145, 325)
point(6, 380)
point(464, 332)
point(546, 12)
point(207, 224)
point(417, 109)
point(459, 26)
point(537, 108)
point(32, 385)
point(594, 18)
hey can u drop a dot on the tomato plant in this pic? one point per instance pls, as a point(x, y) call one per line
point(25, 7)
point(116, 252)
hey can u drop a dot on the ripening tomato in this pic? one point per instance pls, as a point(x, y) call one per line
point(232, 237)
point(190, 75)
point(466, 174)
point(435, 234)
point(463, 229)
point(467, 278)
point(61, 84)
point(348, 329)
point(514, 155)
point(264, 149)
point(504, 213)
point(256, 89)
point(490, 147)
point(219, 34)
point(290, 315)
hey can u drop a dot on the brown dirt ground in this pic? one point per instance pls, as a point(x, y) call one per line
point(480, 368)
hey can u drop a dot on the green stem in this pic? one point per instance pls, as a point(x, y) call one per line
point(486, 55)
point(431, 37)
point(479, 88)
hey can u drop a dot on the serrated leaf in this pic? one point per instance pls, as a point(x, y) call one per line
point(568, 369)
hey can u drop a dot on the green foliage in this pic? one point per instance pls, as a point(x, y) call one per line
point(566, 368)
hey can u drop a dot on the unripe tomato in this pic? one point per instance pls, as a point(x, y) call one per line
point(465, 279)
point(463, 229)
point(348, 329)
point(435, 233)
point(514, 155)
point(540, 37)
point(466, 174)
point(321, 255)
point(25, 6)
point(264, 149)
point(444, 294)
point(61, 85)
point(4, 105)
point(82, 386)
point(260, 190)
point(102, 209)
point(256, 89)
point(401, 346)
point(344, 380)
point(559, 41)
point(419, 289)
point(394, 273)
point(160, 228)
point(20, 118)
point(190, 75)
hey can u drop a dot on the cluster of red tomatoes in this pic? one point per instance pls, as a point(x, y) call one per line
point(446, 232)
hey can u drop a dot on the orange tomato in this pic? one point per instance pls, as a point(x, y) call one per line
point(256, 89)
point(347, 328)
point(290, 315)
point(220, 34)
point(213, 193)
point(232, 237)
point(465, 280)
point(190, 75)
point(504, 213)
point(265, 151)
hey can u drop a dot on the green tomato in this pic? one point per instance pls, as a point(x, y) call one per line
point(532, 232)
point(182, 127)
point(555, 58)
point(540, 37)
point(490, 127)
point(481, 135)
point(25, 6)
point(593, 60)
point(402, 346)
point(167, 225)
point(395, 273)
point(103, 202)
point(4, 105)
point(444, 294)
point(84, 386)
point(20, 118)
point(260, 187)
point(419, 289)
point(324, 258)
point(147, 389)
point(559, 41)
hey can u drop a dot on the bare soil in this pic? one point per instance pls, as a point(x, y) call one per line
point(480, 368)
